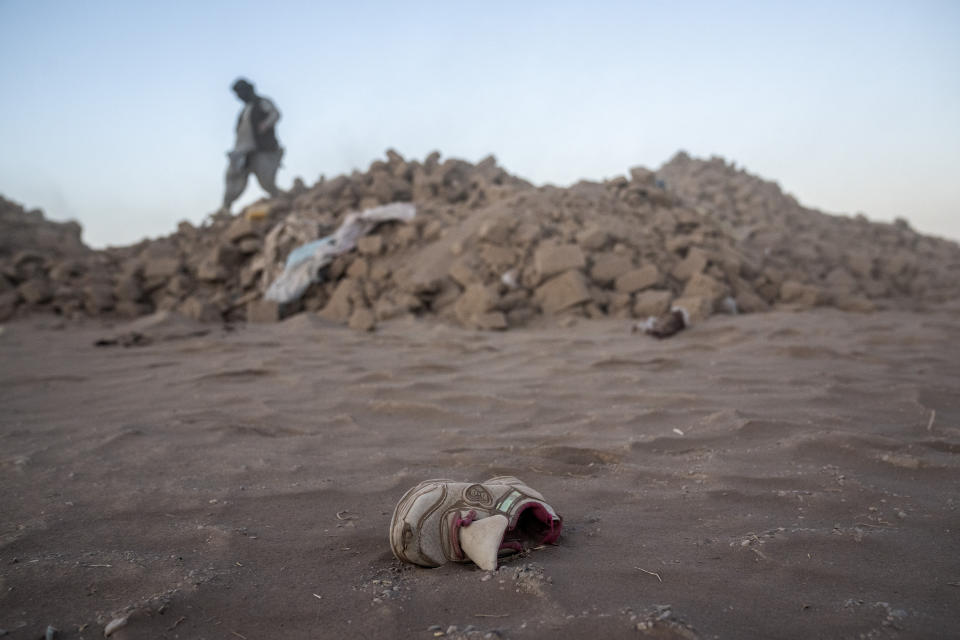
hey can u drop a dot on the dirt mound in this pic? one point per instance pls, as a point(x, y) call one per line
point(491, 251)
point(36, 255)
point(29, 231)
point(853, 263)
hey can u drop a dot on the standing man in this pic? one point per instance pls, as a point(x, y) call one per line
point(257, 150)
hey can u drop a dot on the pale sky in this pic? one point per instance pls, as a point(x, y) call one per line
point(118, 114)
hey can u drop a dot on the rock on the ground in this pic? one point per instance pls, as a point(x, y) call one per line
point(651, 303)
point(638, 279)
point(551, 259)
point(562, 292)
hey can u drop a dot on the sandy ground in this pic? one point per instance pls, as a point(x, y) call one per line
point(777, 475)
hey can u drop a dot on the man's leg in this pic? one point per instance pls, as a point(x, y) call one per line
point(236, 181)
point(265, 165)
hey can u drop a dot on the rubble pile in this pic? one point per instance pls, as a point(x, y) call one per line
point(37, 256)
point(847, 262)
point(488, 250)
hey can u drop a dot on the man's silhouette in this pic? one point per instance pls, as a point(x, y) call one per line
point(256, 150)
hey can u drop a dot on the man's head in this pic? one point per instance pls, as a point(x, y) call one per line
point(244, 90)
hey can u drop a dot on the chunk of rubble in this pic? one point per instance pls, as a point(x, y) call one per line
point(562, 292)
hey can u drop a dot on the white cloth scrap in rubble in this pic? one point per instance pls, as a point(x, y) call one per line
point(305, 262)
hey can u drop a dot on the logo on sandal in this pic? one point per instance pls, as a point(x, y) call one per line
point(476, 494)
